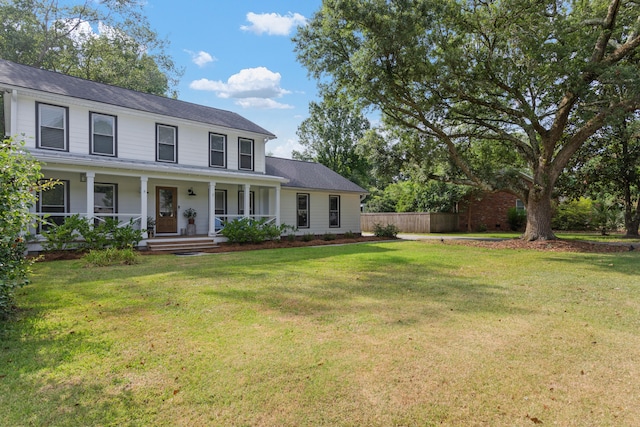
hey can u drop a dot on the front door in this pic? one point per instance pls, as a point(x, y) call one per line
point(166, 210)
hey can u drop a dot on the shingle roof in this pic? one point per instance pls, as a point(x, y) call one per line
point(310, 175)
point(23, 76)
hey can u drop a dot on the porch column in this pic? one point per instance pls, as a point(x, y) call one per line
point(278, 204)
point(91, 178)
point(212, 208)
point(247, 201)
point(144, 213)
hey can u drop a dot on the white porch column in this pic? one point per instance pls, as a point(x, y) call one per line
point(14, 114)
point(247, 201)
point(91, 178)
point(278, 204)
point(212, 208)
point(144, 213)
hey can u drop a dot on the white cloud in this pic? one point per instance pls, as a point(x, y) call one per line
point(273, 24)
point(283, 149)
point(267, 104)
point(252, 87)
point(201, 58)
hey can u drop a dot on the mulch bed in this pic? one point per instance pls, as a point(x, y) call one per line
point(548, 245)
point(558, 245)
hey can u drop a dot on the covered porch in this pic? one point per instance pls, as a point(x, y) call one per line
point(157, 203)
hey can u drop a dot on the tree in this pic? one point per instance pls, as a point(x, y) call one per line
point(330, 136)
point(609, 167)
point(123, 51)
point(528, 77)
point(19, 182)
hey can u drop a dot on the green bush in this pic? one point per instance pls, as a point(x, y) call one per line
point(78, 232)
point(329, 236)
point(248, 230)
point(308, 237)
point(349, 235)
point(59, 237)
point(516, 218)
point(389, 230)
point(20, 182)
point(111, 256)
point(573, 215)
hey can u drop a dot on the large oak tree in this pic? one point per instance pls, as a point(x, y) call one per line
point(109, 41)
point(530, 77)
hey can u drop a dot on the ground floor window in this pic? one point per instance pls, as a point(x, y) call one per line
point(252, 197)
point(221, 208)
point(303, 210)
point(52, 201)
point(334, 211)
point(105, 200)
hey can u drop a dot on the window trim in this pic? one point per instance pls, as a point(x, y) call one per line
point(240, 154)
point(332, 196)
point(66, 204)
point(308, 197)
point(92, 134)
point(252, 202)
point(39, 127)
point(175, 143)
point(224, 150)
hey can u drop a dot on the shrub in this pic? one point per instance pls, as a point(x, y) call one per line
point(291, 237)
point(389, 230)
point(111, 256)
point(517, 218)
point(20, 177)
point(349, 235)
point(248, 230)
point(329, 236)
point(59, 237)
point(308, 237)
point(574, 215)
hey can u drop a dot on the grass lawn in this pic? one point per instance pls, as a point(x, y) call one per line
point(377, 334)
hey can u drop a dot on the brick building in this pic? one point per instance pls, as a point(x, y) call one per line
point(487, 211)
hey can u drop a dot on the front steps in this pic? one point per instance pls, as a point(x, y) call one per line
point(180, 244)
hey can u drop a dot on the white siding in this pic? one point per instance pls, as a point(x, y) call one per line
point(136, 136)
point(319, 211)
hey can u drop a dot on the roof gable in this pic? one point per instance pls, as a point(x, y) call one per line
point(23, 76)
point(310, 175)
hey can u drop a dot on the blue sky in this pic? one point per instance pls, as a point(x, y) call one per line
point(238, 56)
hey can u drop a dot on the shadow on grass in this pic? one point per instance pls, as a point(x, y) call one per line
point(614, 262)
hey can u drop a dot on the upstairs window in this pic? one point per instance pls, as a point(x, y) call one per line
point(103, 134)
point(334, 211)
point(302, 210)
point(217, 150)
point(246, 154)
point(53, 130)
point(166, 143)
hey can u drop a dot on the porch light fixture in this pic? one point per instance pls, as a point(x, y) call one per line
point(190, 191)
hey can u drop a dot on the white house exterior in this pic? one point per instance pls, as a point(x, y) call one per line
point(131, 155)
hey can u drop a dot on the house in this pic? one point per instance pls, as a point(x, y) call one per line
point(133, 156)
point(487, 211)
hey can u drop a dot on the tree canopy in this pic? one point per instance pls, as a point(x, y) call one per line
point(330, 136)
point(108, 41)
point(528, 78)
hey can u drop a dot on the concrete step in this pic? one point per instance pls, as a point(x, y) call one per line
point(181, 245)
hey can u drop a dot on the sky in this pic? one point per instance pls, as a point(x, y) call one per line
point(238, 55)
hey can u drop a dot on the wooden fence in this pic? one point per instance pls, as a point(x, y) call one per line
point(412, 222)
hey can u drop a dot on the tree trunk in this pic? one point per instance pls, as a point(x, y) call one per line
point(631, 218)
point(539, 215)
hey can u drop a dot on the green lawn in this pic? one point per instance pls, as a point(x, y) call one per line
point(378, 334)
